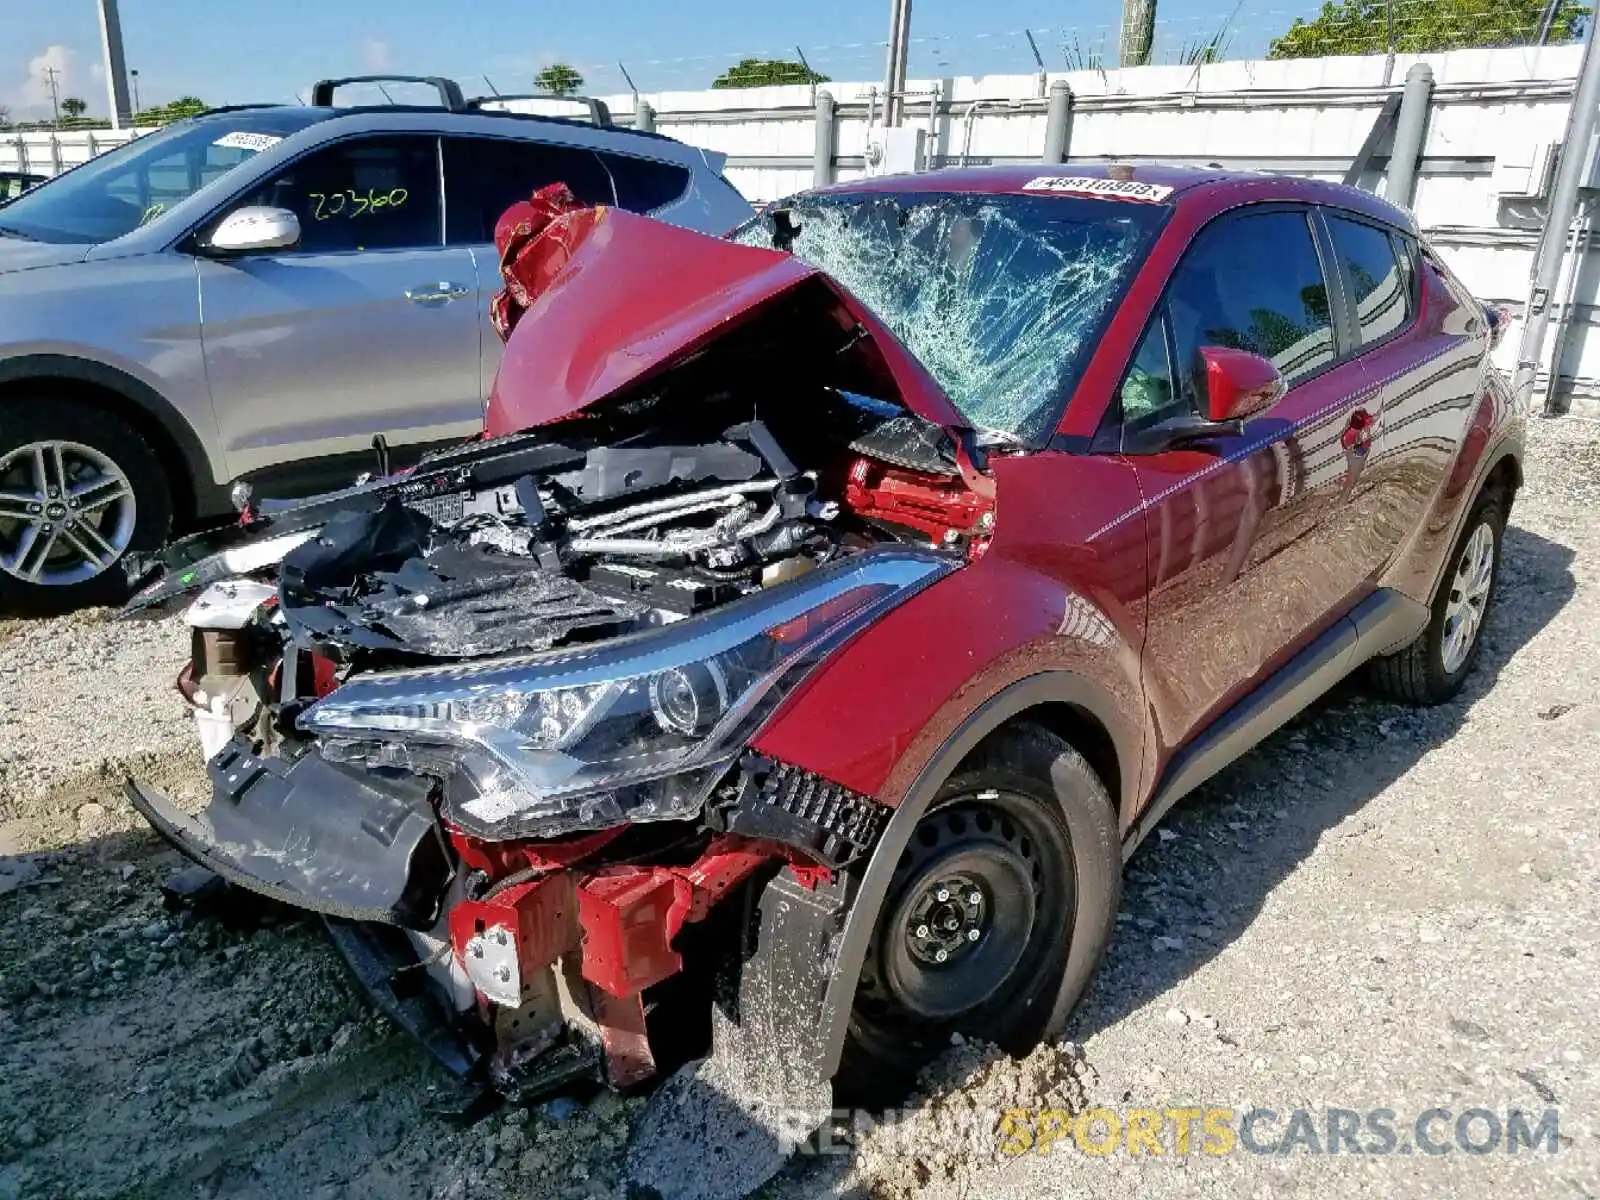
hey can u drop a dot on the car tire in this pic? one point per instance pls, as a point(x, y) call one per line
point(1433, 668)
point(84, 479)
point(1027, 827)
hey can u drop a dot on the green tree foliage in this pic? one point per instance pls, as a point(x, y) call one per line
point(72, 108)
point(1363, 26)
point(558, 78)
point(763, 72)
point(187, 106)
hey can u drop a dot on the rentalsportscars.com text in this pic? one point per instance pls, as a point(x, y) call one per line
point(1194, 1130)
point(1218, 1131)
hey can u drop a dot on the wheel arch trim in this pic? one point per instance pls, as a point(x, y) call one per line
point(1008, 704)
point(180, 436)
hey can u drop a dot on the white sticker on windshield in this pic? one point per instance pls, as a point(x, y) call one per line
point(248, 141)
point(1106, 189)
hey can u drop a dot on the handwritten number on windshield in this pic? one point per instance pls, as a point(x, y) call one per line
point(352, 204)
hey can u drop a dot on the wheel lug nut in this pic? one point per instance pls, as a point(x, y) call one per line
point(975, 898)
point(972, 935)
point(35, 508)
point(55, 492)
point(922, 931)
point(943, 895)
point(941, 955)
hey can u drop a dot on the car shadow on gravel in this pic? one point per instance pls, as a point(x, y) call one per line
point(1187, 897)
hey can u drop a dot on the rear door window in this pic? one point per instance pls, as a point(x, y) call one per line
point(645, 183)
point(486, 176)
point(1379, 287)
point(1405, 250)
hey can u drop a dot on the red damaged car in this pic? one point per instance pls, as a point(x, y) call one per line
point(830, 610)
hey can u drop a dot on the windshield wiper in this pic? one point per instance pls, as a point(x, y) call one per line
point(8, 231)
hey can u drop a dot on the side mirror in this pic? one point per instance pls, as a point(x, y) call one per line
point(253, 228)
point(1238, 384)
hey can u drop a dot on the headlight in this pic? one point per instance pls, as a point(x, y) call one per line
point(639, 728)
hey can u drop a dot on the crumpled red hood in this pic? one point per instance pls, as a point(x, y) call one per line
point(618, 297)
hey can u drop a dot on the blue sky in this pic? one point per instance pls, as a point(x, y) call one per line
point(234, 51)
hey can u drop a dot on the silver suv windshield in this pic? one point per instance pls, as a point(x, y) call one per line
point(124, 188)
point(1001, 297)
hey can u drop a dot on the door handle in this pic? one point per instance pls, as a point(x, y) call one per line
point(436, 293)
point(1357, 434)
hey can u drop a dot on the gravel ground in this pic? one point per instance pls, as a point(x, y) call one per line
point(1380, 908)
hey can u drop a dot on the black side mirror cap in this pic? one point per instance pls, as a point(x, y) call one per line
point(1178, 433)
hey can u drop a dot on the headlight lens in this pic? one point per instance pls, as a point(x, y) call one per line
point(638, 728)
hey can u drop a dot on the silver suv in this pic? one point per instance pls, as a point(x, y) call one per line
point(256, 293)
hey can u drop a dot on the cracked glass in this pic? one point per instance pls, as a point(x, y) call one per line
point(1001, 297)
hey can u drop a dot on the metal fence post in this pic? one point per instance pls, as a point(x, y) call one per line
point(1410, 127)
point(1572, 171)
point(822, 156)
point(1058, 123)
point(644, 117)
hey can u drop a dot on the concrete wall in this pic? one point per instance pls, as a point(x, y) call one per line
point(1492, 110)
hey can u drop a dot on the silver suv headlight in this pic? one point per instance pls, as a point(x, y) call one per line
point(639, 728)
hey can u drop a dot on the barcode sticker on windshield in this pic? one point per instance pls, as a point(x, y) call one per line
point(247, 141)
point(1106, 189)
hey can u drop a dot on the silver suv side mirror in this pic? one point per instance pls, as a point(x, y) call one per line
point(255, 227)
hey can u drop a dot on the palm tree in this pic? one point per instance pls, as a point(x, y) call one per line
point(1138, 32)
point(73, 108)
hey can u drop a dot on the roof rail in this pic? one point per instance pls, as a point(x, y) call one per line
point(450, 96)
point(598, 112)
point(228, 108)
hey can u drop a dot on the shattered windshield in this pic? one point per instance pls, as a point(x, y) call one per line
point(1000, 297)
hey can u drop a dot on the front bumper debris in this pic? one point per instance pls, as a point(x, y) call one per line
point(309, 834)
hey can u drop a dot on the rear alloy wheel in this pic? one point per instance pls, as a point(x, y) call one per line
point(1004, 898)
point(78, 490)
point(1433, 668)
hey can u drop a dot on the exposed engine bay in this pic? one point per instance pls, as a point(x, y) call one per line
point(490, 717)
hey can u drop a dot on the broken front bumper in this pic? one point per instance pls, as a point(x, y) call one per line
point(309, 834)
point(527, 942)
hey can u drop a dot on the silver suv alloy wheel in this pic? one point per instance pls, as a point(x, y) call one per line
point(67, 513)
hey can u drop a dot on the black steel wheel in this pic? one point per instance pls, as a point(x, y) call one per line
point(999, 908)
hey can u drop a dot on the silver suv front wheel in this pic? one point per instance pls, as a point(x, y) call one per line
point(67, 512)
point(79, 488)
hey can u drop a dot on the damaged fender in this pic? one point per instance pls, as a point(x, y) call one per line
point(818, 1017)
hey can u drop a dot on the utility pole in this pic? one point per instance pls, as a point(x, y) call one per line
point(115, 65)
point(50, 74)
point(133, 77)
point(894, 77)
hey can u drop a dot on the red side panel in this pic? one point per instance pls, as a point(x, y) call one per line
point(1059, 589)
